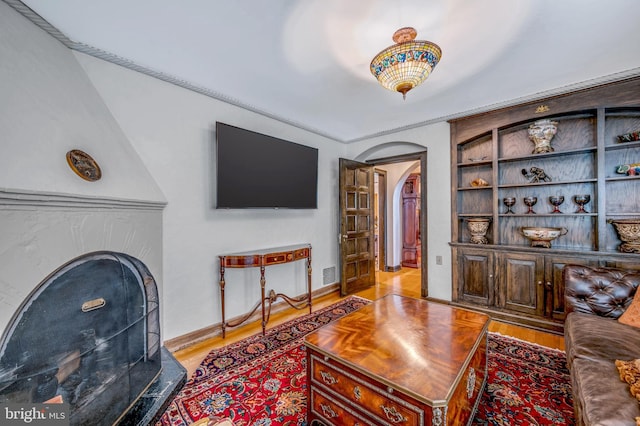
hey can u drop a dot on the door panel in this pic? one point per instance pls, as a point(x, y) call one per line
point(521, 281)
point(554, 284)
point(476, 277)
point(356, 226)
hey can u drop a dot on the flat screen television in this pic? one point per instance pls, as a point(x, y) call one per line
point(259, 171)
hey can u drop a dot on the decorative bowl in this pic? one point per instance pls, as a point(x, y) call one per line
point(542, 237)
point(629, 232)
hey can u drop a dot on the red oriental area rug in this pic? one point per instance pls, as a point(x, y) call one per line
point(261, 380)
point(527, 384)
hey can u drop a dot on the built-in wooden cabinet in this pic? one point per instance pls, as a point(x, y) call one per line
point(493, 158)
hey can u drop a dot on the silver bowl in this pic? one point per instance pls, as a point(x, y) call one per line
point(542, 237)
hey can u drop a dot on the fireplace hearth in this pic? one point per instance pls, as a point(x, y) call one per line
point(89, 336)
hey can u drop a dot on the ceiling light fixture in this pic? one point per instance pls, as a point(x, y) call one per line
point(407, 63)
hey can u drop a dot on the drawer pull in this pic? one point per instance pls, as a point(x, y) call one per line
point(357, 394)
point(393, 415)
point(328, 411)
point(328, 378)
point(471, 382)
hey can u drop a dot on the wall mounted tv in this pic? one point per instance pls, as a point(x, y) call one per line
point(259, 171)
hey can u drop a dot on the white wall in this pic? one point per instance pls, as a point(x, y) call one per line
point(435, 139)
point(49, 215)
point(173, 131)
point(48, 106)
point(155, 143)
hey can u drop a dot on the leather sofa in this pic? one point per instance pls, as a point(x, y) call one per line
point(594, 339)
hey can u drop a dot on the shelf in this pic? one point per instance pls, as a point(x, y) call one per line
point(463, 215)
point(621, 178)
point(556, 215)
point(529, 157)
point(520, 185)
point(475, 163)
point(610, 214)
point(622, 113)
point(474, 188)
point(622, 145)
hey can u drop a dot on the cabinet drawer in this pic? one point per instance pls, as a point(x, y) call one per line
point(385, 404)
point(301, 253)
point(333, 413)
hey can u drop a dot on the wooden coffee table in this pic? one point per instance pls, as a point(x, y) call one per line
point(397, 361)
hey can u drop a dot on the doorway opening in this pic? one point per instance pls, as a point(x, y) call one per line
point(401, 212)
point(384, 232)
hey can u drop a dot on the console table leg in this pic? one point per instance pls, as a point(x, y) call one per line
point(263, 283)
point(222, 284)
point(309, 280)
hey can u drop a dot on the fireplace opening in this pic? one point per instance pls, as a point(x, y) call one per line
point(89, 336)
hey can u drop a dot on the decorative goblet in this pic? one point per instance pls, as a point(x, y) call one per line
point(581, 200)
point(555, 201)
point(509, 202)
point(530, 202)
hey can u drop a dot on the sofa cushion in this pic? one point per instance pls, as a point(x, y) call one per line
point(632, 315)
point(603, 398)
point(603, 339)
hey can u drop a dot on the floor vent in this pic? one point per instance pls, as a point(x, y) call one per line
point(329, 275)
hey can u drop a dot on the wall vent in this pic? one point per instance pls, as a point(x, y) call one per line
point(329, 275)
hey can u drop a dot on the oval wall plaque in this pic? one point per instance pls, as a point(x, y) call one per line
point(84, 166)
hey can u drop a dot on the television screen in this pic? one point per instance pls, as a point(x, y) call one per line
point(259, 171)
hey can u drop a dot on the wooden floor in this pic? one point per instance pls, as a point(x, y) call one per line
point(405, 282)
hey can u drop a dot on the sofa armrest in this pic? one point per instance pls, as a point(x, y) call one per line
point(606, 292)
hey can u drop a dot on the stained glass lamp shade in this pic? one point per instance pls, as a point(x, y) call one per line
point(407, 63)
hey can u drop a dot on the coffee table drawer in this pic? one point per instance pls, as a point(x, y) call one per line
point(385, 404)
point(332, 412)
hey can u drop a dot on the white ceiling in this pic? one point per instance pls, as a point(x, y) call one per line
point(306, 62)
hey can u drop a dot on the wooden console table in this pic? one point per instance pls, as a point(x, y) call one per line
point(262, 259)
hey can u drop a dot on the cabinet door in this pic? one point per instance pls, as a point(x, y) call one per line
point(520, 283)
point(553, 284)
point(476, 276)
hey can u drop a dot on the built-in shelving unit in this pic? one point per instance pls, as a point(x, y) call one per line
point(507, 276)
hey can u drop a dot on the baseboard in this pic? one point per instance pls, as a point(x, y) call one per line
point(393, 268)
point(215, 330)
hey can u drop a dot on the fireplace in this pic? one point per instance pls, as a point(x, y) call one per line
point(89, 335)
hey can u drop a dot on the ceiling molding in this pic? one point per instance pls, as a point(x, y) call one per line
point(109, 57)
point(38, 20)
